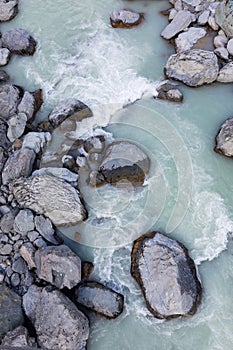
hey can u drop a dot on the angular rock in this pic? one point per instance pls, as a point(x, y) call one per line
point(18, 338)
point(27, 105)
point(224, 18)
point(59, 266)
point(224, 139)
point(27, 251)
point(180, 22)
point(100, 299)
point(16, 126)
point(4, 57)
point(5, 249)
point(226, 73)
point(9, 100)
point(36, 141)
point(230, 47)
point(87, 268)
point(4, 76)
point(193, 67)
point(19, 42)
point(94, 144)
point(50, 196)
point(8, 10)
point(166, 275)
point(59, 324)
point(7, 221)
point(222, 53)
point(61, 173)
point(4, 142)
point(122, 161)
point(168, 91)
point(71, 107)
point(203, 18)
point(10, 305)
point(19, 266)
point(45, 228)
point(186, 40)
point(220, 40)
point(19, 164)
point(125, 19)
point(24, 222)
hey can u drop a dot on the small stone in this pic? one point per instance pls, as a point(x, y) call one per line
point(180, 22)
point(8, 9)
point(27, 106)
point(24, 221)
point(4, 57)
point(212, 23)
point(203, 18)
point(15, 237)
point(172, 14)
point(226, 73)
point(220, 41)
point(19, 42)
point(15, 280)
point(230, 47)
point(9, 99)
point(36, 141)
point(40, 243)
point(45, 228)
point(6, 249)
point(125, 19)
point(222, 53)
point(224, 138)
point(18, 245)
point(16, 126)
point(18, 339)
point(7, 221)
point(9, 271)
point(27, 252)
point(19, 266)
point(3, 238)
point(32, 235)
point(186, 40)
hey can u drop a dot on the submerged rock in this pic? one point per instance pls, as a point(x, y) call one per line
point(100, 299)
point(50, 196)
point(193, 67)
point(8, 10)
point(224, 139)
point(180, 22)
point(125, 19)
point(166, 275)
point(19, 42)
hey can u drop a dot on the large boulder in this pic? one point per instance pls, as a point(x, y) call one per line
point(166, 275)
point(9, 99)
point(8, 10)
point(193, 67)
point(58, 323)
point(50, 196)
point(100, 299)
point(122, 161)
point(19, 42)
point(11, 313)
point(180, 22)
point(224, 139)
point(58, 266)
point(125, 19)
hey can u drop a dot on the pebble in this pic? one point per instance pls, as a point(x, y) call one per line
point(6, 249)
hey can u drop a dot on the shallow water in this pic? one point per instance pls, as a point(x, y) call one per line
point(188, 193)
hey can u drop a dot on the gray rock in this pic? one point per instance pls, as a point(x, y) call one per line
point(18, 338)
point(16, 126)
point(36, 141)
point(52, 197)
point(100, 299)
point(32, 235)
point(5, 249)
point(8, 10)
point(4, 142)
point(27, 251)
point(203, 17)
point(4, 57)
point(15, 279)
point(24, 222)
point(186, 40)
point(224, 139)
point(19, 164)
point(10, 305)
point(9, 100)
point(59, 324)
point(125, 19)
point(166, 275)
point(45, 228)
point(230, 47)
point(39, 243)
point(4, 77)
point(7, 221)
point(193, 67)
point(58, 266)
point(19, 42)
point(168, 91)
point(180, 22)
point(122, 161)
point(69, 108)
point(3, 158)
point(220, 40)
point(94, 144)
point(19, 266)
point(224, 18)
point(27, 105)
point(61, 173)
point(222, 53)
point(226, 73)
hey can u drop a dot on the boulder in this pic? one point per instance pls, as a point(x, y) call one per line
point(186, 40)
point(193, 67)
point(8, 10)
point(58, 323)
point(19, 42)
point(18, 338)
point(61, 173)
point(122, 161)
point(180, 22)
point(125, 19)
point(100, 299)
point(226, 73)
point(168, 91)
point(16, 126)
point(11, 313)
point(224, 139)
point(4, 57)
point(50, 196)
point(9, 99)
point(58, 266)
point(166, 275)
point(71, 107)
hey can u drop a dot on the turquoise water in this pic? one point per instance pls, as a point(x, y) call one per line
point(188, 193)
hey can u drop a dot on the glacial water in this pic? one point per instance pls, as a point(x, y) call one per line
point(188, 193)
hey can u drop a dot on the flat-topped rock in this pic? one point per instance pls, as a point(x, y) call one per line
point(125, 19)
point(8, 9)
point(224, 139)
point(180, 22)
point(19, 42)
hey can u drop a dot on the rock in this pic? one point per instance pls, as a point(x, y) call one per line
point(212, 23)
point(94, 144)
point(27, 251)
point(4, 76)
point(166, 275)
point(19, 164)
point(19, 266)
point(19, 42)
point(7, 221)
point(8, 10)
point(36, 141)
point(230, 47)
point(224, 139)
point(224, 18)
point(204, 17)
point(87, 268)
point(5, 249)
point(27, 105)
point(16, 126)
point(69, 108)
point(193, 67)
point(4, 142)
point(58, 266)
point(122, 161)
point(15, 279)
point(32, 235)
point(226, 73)
point(61, 173)
point(186, 40)
point(222, 53)
point(40, 243)
point(45, 228)
point(220, 40)
point(4, 57)
point(18, 338)
point(9, 100)
point(168, 91)
point(100, 299)
point(59, 324)
point(125, 19)
point(180, 22)
point(11, 313)
point(52, 197)
point(24, 222)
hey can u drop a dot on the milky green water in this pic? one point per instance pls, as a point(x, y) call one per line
point(188, 193)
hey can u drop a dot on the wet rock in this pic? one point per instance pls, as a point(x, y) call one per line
point(94, 144)
point(4, 77)
point(224, 139)
point(24, 222)
point(100, 299)
point(58, 323)
point(69, 108)
point(166, 275)
point(9, 100)
point(186, 40)
point(4, 57)
point(16, 126)
point(19, 42)
point(45, 228)
point(122, 161)
point(27, 251)
point(18, 338)
point(8, 10)
point(36, 141)
point(125, 19)
point(27, 105)
point(87, 268)
point(19, 164)
point(168, 91)
point(50, 196)
point(4, 142)
point(58, 266)
point(180, 22)
point(10, 305)
point(61, 173)
point(226, 73)
point(193, 67)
